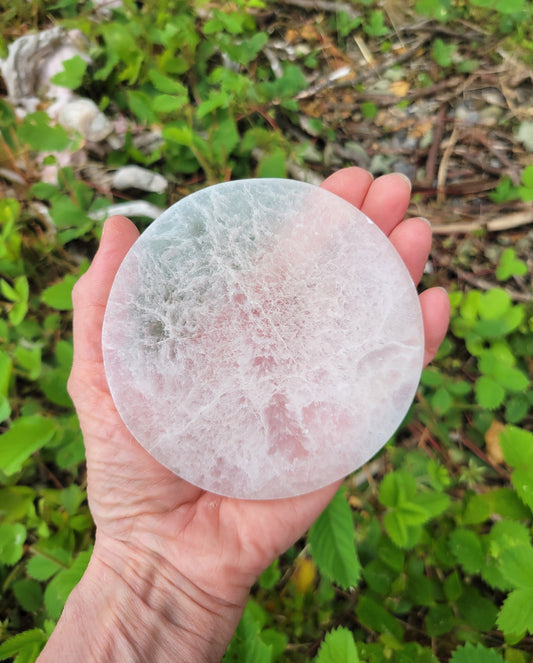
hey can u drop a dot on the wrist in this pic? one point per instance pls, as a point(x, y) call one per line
point(131, 606)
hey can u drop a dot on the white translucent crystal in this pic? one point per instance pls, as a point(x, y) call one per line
point(262, 338)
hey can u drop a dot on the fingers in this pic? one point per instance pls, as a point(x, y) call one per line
point(384, 200)
point(92, 290)
point(412, 240)
point(435, 306)
point(352, 184)
point(387, 200)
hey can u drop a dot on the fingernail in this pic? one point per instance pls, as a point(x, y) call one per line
point(423, 218)
point(404, 177)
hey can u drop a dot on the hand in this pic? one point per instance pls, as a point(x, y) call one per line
point(150, 523)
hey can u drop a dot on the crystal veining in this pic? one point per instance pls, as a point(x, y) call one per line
point(262, 339)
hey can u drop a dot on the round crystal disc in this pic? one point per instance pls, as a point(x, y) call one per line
point(262, 339)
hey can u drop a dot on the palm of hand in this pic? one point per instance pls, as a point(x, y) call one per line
point(219, 544)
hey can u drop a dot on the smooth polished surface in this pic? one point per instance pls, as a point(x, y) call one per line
point(262, 338)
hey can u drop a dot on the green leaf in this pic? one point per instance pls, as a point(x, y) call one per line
point(375, 24)
point(467, 550)
point(453, 587)
point(440, 619)
point(26, 435)
point(6, 366)
point(331, 539)
point(167, 103)
point(396, 528)
point(36, 131)
point(42, 568)
point(216, 99)
point(72, 74)
point(12, 538)
point(494, 304)
point(29, 594)
point(338, 647)
point(379, 577)
point(140, 104)
point(517, 566)
point(470, 653)
point(517, 448)
point(273, 165)
point(58, 589)
point(516, 408)
point(441, 401)
point(516, 614)
point(377, 618)
point(270, 576)
point(489, 393)
point(29, 644)
point(179, 133)
point(166, 84)
point(66, 213)
point(510, 265)
point(16, 502)
point(28, 357)
point(397, 488)
point(53, 381)
point(477, 611)
point(59, 295)
point(442, 52)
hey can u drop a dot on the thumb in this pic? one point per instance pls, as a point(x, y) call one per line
point(91, 292)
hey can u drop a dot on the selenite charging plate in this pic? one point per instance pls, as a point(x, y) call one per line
point(262, 339)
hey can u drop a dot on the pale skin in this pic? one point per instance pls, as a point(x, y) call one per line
point(172, 565)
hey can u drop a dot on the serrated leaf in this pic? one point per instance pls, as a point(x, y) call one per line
point(59, 295)
point(440, 619)
point(331, 539)
point(166, 84)
point(58, 589)
point(396, 528)
point(516, 614)
point(489, 393)
point(470, 653)
point(477, 611)
point(29, 594)
point(376, 617)
point(168, 103)
point(42, 568)
point(467, 550)
point(338, 647)
point(396, 488)
point(517, 448)
point(30, 642)
point(433, 503)
point(36, 131)
point(26, 435)
point(72, 75)
point(516, 564)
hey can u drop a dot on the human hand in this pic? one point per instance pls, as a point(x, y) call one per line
point(152, 525)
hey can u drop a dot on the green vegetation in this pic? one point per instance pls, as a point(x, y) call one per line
point(424, 556)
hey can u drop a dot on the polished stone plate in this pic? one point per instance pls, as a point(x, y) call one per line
point(262, 338)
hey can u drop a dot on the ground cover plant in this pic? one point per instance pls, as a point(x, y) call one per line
point(426, 553)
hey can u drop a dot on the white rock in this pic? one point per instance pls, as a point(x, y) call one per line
point(136, 177)
point(129, 208)
point(84, 116)
point(262, 339)
point(33, 60)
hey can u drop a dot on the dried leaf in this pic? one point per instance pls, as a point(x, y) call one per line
point(492, 440)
